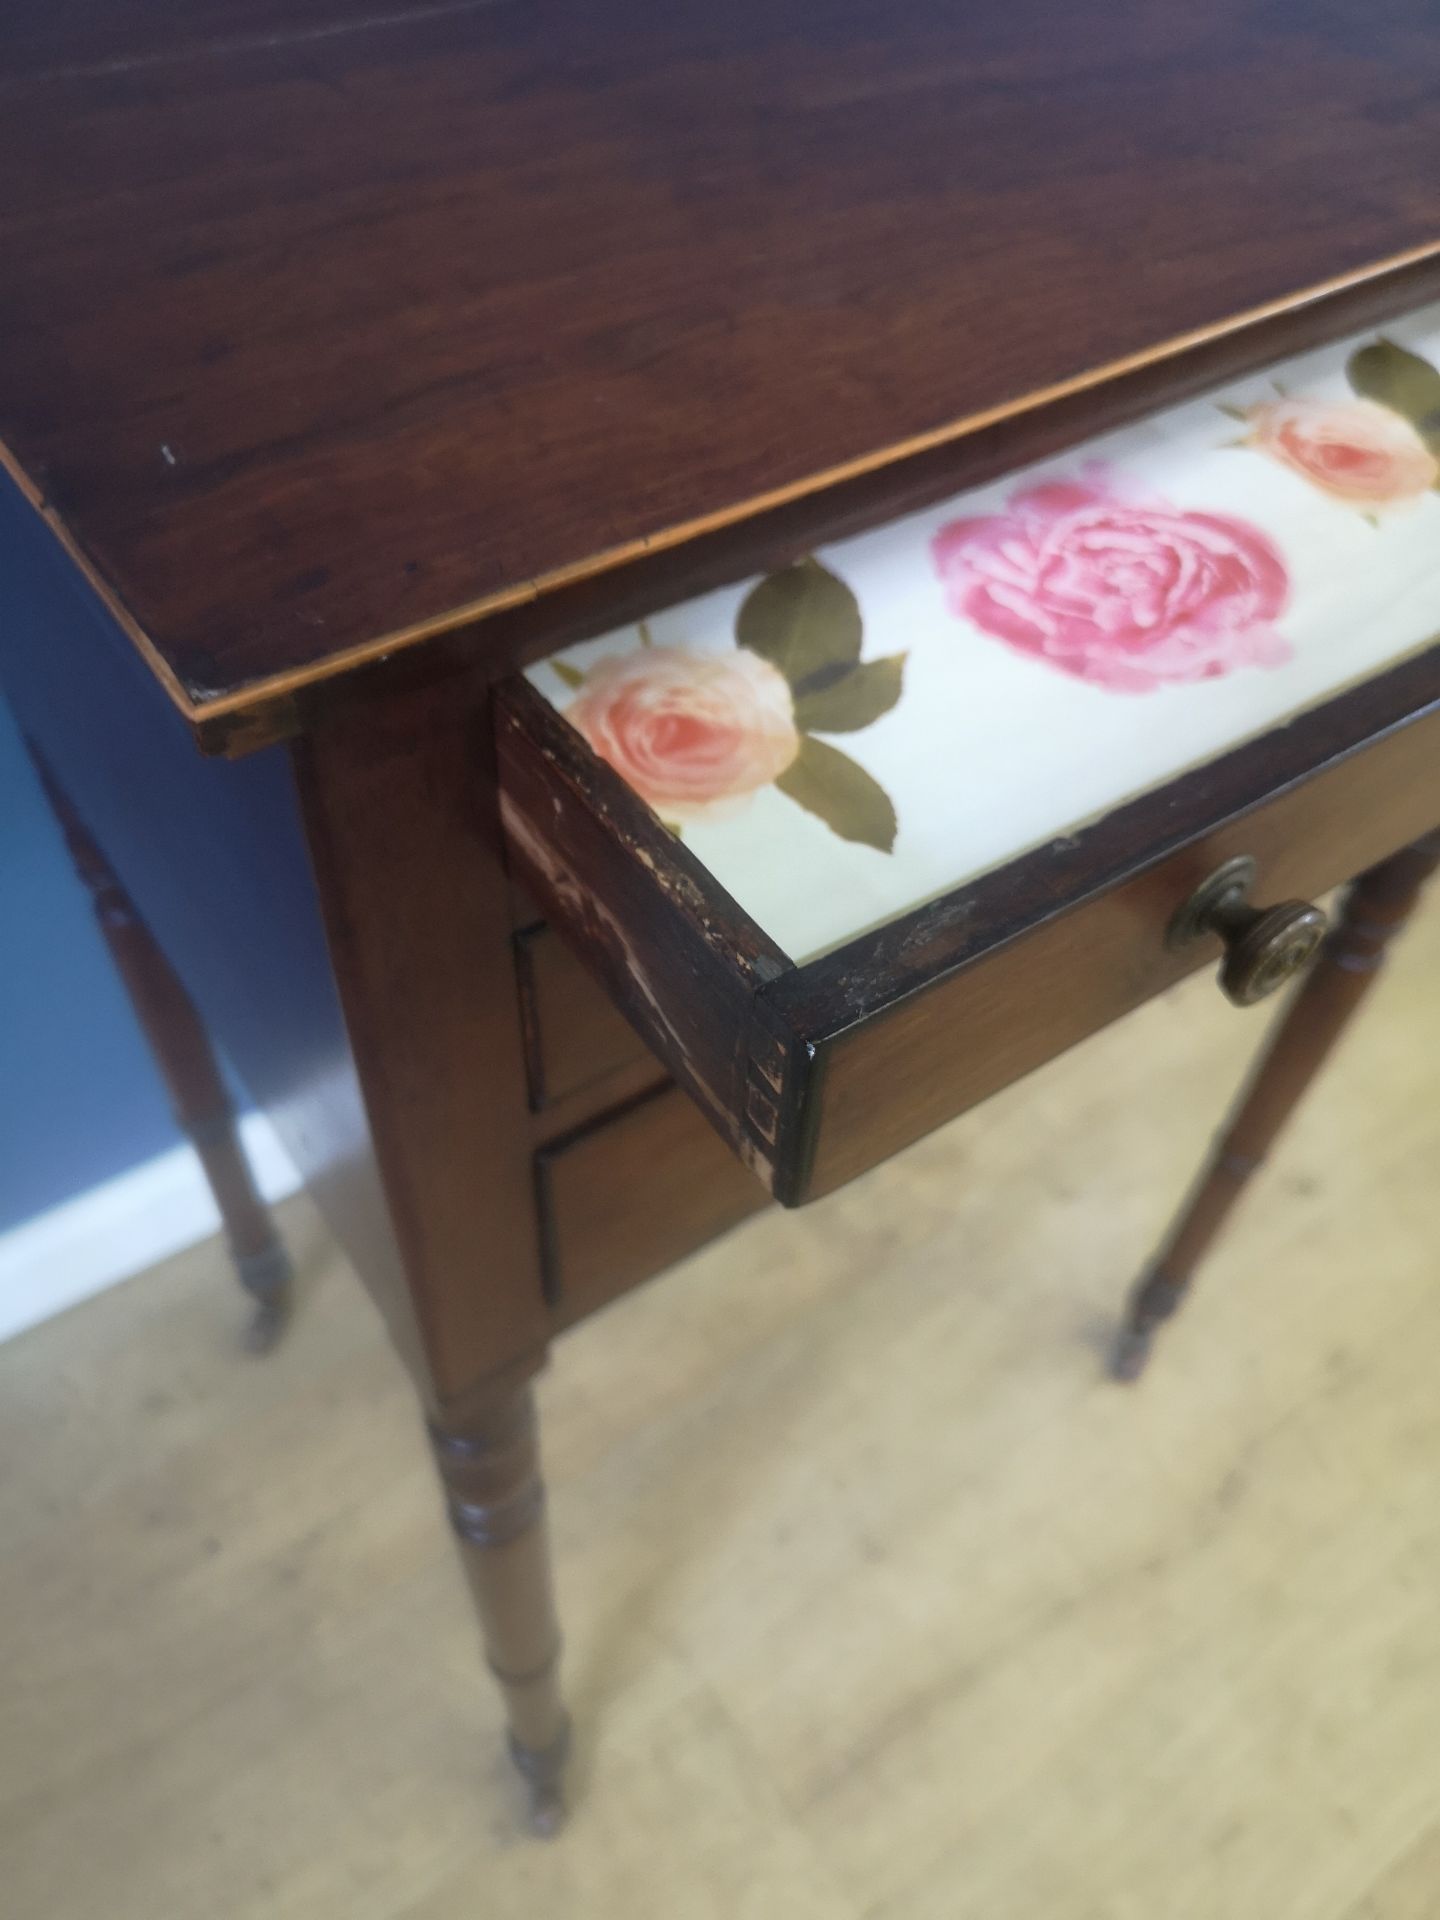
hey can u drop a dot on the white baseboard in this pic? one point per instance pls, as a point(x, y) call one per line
point(123, 1226)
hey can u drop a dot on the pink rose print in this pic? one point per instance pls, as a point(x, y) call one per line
point(1354, 450)
point(1128, 596)
point(693, 734)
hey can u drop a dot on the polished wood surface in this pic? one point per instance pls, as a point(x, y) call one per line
point(674, 951)
point(325, 329)
point(814, 1073)
point(629, 1195)
point(1376, 908)
point(399, 814)
point(213, 856)
point(662, 575)
point(328, 332)
point(881, 1602)
point(910, 1033)
point(390, 1055)
point(490, 1468)
point(185, 1058)
point(576, 1038)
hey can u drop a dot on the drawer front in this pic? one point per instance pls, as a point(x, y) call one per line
point(904, 862)
point(576, 1039)
point(814, 1073)
point(891, 1079)
point(631, 1195)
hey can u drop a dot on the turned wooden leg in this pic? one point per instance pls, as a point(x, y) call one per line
point(182, 1051)
point(491, 1470)
point(1376, 908)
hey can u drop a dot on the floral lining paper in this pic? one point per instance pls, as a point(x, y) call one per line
point(898, 712)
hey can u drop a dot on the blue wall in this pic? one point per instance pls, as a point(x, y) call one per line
point(79, 1098)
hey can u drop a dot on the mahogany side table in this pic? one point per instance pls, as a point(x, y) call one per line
point(641, 594)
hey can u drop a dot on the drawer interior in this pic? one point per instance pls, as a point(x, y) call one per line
point(854, 844)
point(986, 676)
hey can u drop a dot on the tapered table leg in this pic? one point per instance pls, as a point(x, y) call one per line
point(1376, 908)
point(182, 1051)
point(490, 1466)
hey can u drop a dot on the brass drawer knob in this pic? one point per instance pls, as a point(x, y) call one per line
point(1264, 946)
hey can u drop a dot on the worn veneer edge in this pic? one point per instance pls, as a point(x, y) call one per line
point(818, 1010)
point(114, 605)
point(208, 718)
point(707, 924)
point(759, 1115)
point(807, 1174)
point(718, 920)
point(787, 1070)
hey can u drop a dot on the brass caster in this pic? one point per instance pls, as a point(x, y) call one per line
point(269, 1280)
point(541, 1770)
point(1130, 1352)
point(545, 1814)
point(1155, 1298)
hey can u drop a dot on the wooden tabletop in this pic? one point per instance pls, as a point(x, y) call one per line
point(326, 330)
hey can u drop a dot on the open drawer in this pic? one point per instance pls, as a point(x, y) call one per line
point(857, 844)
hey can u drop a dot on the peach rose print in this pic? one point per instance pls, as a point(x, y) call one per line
point(694, 734)
point(1126, 595)
point(1354, 450)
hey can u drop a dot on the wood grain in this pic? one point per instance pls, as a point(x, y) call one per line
point(768, 538)
point(974, 1029)
point(214, 857)
point(406, 313)
point(814, 1073)
point(629, 1195)
point(576, 1038)
point(184, 1056)
point(678, 955)
point(399, 814)
point(881, 1604)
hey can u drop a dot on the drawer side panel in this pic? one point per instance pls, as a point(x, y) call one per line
point(676, 954)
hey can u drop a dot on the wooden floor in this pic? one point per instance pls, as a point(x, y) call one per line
point(881, 1601)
